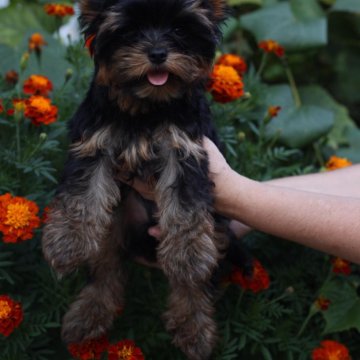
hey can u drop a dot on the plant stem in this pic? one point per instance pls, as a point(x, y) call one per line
point(318, 154)
point(285, 294)
point(18, 144)
point(294, 89)
point(262, 64)
point(311, 313)
point(41, 141)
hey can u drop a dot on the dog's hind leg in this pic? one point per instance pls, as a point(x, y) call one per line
point(80, 216)
point(95, 308)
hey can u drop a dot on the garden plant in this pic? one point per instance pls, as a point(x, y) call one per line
point(285, 95)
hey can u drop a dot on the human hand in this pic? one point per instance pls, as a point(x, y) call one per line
point(218, 167)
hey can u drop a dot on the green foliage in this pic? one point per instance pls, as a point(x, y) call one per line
point(294, 27)
point(316, 85)
point(344, 312)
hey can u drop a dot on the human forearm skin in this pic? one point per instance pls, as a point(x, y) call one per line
point(342, 182)
point(329, 223)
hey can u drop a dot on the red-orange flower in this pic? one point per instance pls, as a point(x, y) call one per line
point(336, 162)
point(331, 350)
point(235, 61)
point(11, 77)
point(271, 46)
point(59, 10)
point(36, 42)
point(322, 303)
point(11, 315)
point(45, 216)
point(225, 84)
point(40, 110)
point(89, 349)
point(257, 281)
point(273, 111)
point(37, 85)
point(18, 218)
point(125, 350)
point(341, 266)
point(1, 106)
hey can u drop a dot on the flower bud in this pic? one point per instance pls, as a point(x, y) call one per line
point(241, 136)
point(69, 74)
point(24, 61)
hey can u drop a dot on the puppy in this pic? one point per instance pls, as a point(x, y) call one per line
point(144, 116)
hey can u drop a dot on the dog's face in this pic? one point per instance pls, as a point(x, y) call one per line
point(152, 49)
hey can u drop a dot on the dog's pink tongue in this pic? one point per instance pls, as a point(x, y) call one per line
point(157, 78)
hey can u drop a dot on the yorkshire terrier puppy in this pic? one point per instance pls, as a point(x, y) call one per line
point(144, 116)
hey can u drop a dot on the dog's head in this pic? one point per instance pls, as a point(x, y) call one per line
point(152, 49)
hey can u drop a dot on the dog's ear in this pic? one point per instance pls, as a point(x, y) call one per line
point(91, 10)
point(219, 9)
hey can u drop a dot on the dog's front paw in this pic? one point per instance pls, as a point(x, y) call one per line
point(64, 244)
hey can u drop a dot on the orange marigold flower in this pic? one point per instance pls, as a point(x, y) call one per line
point(125, 350)
point(11, 315)
point(271, 46)
point(235, 61)
point(37, 85)
point(40, 110)
point(322, 303)
point(11, 77)
point(225, 84)
point(331, 350)
point(259, 280)
point(90, 349)
point(36, 42)
point(18, 218)
point(59, 10)
point(336, 162)
point(341, 266)
point(273, 111)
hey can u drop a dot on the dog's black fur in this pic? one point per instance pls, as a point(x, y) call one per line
point(144, 116)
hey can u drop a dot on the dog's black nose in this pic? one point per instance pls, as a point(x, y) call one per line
point(158, 55)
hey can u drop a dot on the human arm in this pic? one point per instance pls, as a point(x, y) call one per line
point(327, 221)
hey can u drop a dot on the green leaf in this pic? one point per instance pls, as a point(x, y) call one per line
point(9, 58)
point(307, 10)
point(344, 310)
point(302, 126)
point(318, 96)
point(280, 23)
point(347, 5)
point(297, 127)
point(15, 20)
point(352, 152)
point(228, 27)
point(245, 2)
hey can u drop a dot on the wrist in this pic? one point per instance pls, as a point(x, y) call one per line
point(226, 191)
point(234, 195)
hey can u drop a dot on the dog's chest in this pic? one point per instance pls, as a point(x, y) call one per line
point(150, 152)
